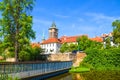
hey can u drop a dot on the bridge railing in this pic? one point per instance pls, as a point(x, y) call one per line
point(26, 69)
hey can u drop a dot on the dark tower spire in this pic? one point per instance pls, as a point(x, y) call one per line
point(53, 31)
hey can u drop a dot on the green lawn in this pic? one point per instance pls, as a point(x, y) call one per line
point(79, 69)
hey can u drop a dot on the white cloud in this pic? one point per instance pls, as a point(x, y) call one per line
point(98, 17)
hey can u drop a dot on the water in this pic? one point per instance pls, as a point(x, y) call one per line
point(92, 75)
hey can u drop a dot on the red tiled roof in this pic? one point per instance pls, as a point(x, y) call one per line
point(69, 39)
point(97, 39)
point(35, 45)
point(51, 40)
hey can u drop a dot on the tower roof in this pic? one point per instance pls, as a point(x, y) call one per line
point(53, 25)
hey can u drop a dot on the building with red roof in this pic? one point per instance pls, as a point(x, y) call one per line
point(53, 43)
point(97, 39)
point(35, 45)
point(70, 39)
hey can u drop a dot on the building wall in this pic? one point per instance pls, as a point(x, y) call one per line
point(51, 48)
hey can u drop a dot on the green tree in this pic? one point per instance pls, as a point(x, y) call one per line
point(72, 47)
point(35, 53)
point(84, 42)
point(108, 43)
point(30, 53)
point(16, 25)
point(116, 31)
point(64, 48)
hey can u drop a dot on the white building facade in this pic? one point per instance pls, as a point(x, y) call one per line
point(52, 44)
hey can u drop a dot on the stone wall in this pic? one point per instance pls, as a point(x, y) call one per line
point(61, 57)
point(78, 58)
point(10, 60)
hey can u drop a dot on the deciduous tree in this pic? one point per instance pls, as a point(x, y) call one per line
point(116, 31)
point(16, 24)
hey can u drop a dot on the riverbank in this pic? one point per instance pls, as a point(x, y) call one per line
point(100, 60)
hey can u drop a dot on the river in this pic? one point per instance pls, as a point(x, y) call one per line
point(92, 75)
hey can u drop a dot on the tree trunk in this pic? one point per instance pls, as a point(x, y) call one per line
point(17, 32)
point(16, 47)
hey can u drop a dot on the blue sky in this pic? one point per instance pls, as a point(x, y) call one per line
point(75, 17)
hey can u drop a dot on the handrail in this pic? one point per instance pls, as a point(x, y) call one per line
point(29, 62)
point(25, 69)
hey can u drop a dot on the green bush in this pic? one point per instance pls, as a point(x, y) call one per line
point(103, 59)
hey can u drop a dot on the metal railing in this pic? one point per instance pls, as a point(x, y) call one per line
point(27, 69)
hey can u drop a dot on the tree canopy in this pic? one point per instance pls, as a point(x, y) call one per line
point(83, 43)
point(116, 31)
point(16, 25)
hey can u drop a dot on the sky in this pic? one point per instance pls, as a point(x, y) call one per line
point(75, 17)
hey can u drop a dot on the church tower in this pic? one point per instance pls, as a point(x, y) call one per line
point(53, 31)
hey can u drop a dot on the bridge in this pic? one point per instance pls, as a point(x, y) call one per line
point(28, 70)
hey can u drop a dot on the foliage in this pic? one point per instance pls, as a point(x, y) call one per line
point(64, 48)
point(72, 47)
point(116, 31)
point(68, 47)
point(103, 59)
point(108, 45)
point(85, 43)
point(10, 78)
point(35, 53)
point(30, 53)
point(16, 25)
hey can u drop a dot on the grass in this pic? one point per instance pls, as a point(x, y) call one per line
point(79, 69)
point(2, 60)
